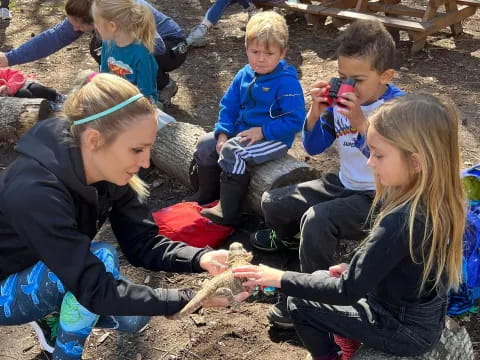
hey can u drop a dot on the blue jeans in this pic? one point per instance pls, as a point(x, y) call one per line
point(398, 330)
point(215, 12)
point(36, 292)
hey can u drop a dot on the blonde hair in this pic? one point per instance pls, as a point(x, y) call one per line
point(102, 92)
point(427, 126)
point(132, 17)
point(268, 28)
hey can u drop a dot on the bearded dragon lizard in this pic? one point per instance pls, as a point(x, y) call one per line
point(224, 284)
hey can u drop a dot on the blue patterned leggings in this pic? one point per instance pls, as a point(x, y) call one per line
point(36, 292)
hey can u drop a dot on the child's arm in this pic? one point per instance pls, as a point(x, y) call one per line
point(146, 74)
point(229, 108)
point(44, 44)
point(322, 135)
point(352, 110)
point(3, 90)
point(385, 250)
point(319, 128)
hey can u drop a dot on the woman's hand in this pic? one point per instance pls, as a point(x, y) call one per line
point(3, 60)
point(214, 261)
point(337, 270)
point(260, 275)
point(218, 301)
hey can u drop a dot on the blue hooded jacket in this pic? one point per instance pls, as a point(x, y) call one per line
point(272, 101)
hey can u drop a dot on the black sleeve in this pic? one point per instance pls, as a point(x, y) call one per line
point(370, 265)
point(138, 237)
point(41, 212)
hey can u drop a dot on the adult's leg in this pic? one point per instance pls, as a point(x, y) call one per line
point(41, 91)
point(284, 207)
point(215, 12)
point(95, 47)
point(169, 61)
point(324, 224)
point(5, 3)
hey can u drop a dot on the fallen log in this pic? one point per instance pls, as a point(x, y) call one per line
point(454, 344)
point(173, 151)
point(17, 115)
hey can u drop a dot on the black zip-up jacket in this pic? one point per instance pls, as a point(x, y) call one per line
point(48, 213)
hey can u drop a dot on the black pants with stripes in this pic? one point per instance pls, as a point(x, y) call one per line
point(236, 156)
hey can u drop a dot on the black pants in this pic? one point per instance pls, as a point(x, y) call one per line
point(36, 90)
point(166, 62)
point(399, 330)
point(324, 211)
point(4, 3)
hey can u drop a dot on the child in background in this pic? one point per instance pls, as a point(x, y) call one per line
point(259, 115)
point(5, 13)
point(393, 294)
point(128, 30)
point(16, 83)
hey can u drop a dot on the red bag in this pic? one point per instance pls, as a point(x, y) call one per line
point(183, 222)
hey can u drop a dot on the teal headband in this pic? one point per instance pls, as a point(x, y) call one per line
point(108, 111)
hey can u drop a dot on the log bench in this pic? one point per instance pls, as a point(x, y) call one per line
point(17, 115)
point(173, 151)
point(454, 344)
point(418, 23)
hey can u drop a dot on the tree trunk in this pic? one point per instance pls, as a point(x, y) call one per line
point(173, 151)
point(17, 115)
point(454, 344)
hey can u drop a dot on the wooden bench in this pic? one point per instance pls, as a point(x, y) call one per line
point(419, 23)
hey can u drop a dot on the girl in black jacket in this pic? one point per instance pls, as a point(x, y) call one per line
point(393, 294)
point(71, 176)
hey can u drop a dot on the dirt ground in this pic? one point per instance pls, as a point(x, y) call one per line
point(448, 66)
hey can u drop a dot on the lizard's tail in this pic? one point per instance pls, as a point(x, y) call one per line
point(192, 306)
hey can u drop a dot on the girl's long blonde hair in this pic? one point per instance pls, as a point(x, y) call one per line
point(102, 92)
point(427, 126)
point(132, 17)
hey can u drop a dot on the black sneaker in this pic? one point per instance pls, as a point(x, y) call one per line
point(278, 314)
point(267, 240)
point(46, 329)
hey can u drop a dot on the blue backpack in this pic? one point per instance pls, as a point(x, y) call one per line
point(463, 300)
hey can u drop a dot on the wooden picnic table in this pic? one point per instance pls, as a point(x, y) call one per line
point(419, 22)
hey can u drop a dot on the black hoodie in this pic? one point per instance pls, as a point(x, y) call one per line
point(48, 213)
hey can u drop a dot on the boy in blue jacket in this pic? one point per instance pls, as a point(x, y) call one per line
point(335, 206)
point(260, 114)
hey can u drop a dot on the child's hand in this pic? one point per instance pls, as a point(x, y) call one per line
point(260, 275)
point(350, 107)
point(3, 60)
point(319, 103)
point(221, 140)
point(3, 90)
point(337, 270)
point(251, 135)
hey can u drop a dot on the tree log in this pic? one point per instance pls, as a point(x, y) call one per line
point(454, 344)
point(17, 115)
point(173, 151)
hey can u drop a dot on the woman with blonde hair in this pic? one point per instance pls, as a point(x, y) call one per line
point(72, 175)
point(393, 294)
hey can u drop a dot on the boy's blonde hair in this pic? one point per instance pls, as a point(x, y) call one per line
point(268, 28)
point(97, 94)
point(427, 126)
point(132, 17)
